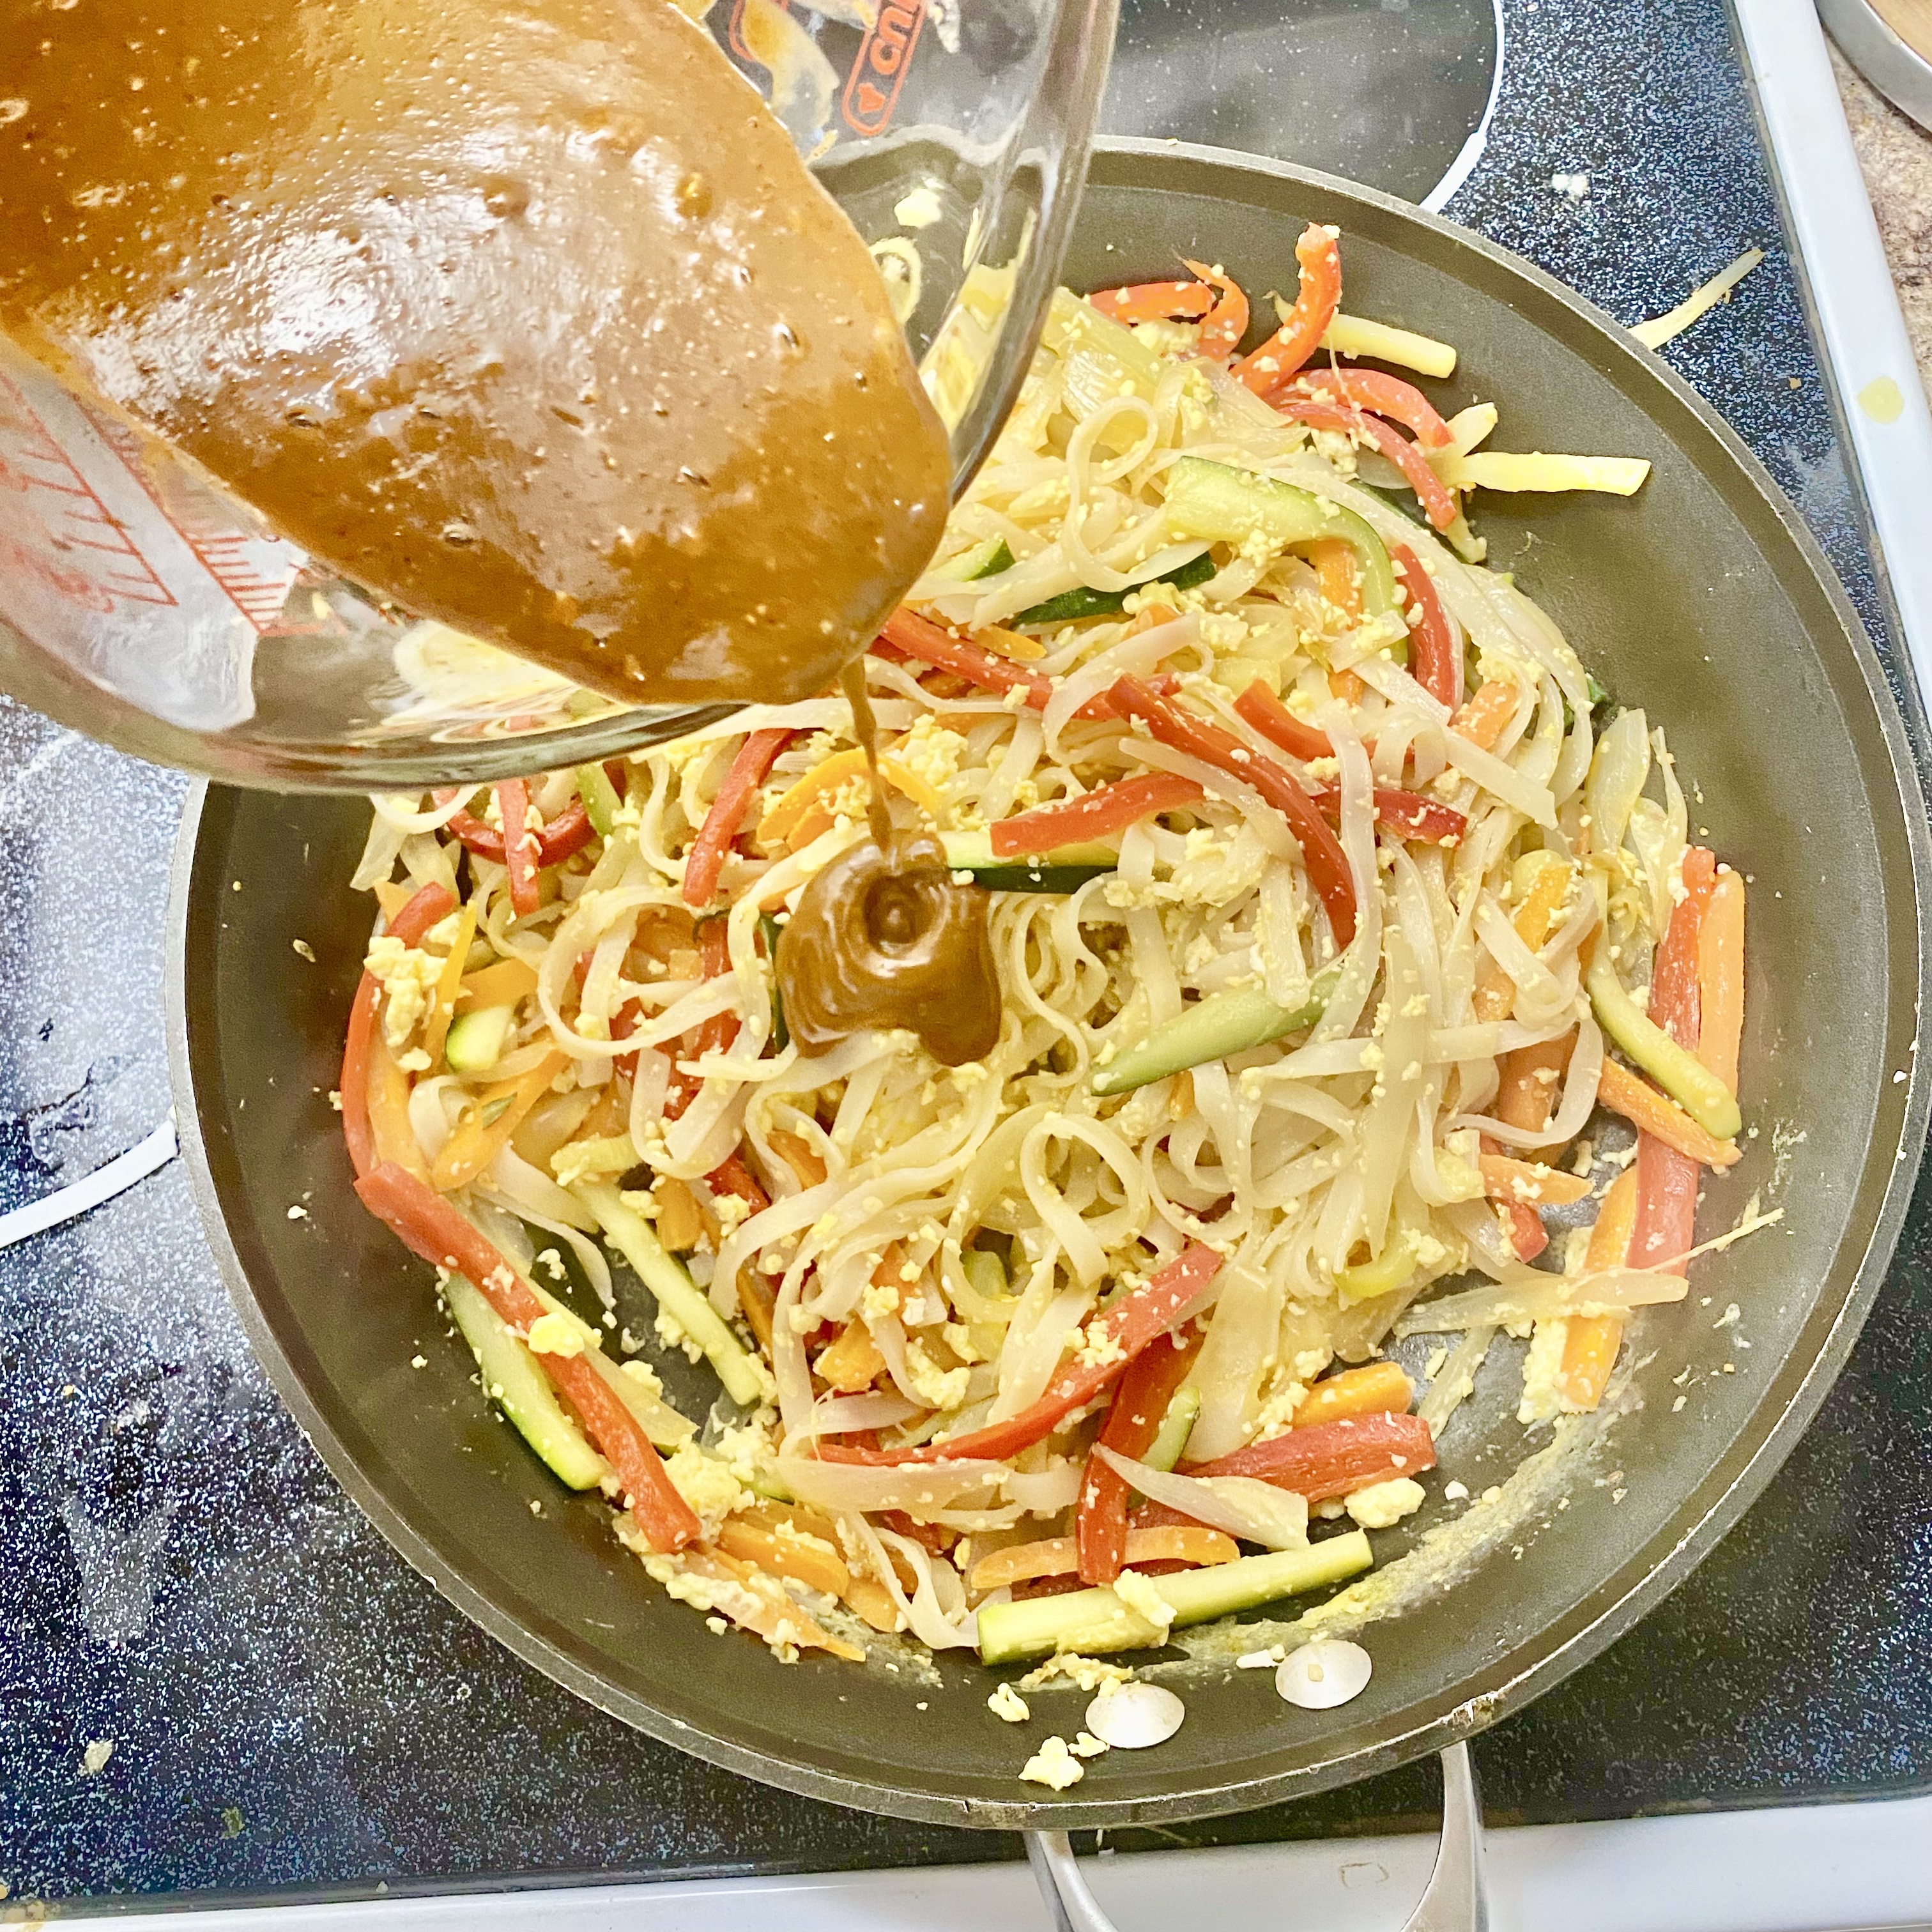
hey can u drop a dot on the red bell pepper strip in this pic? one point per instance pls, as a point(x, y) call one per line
point(1227, 323)
point(1274, 721)
point(1437, 504)
point(429, 906)
point(1281, 356)
point(1667, 1179)
point(513, 805)
point(1331, 1458)
point(1098, 814)
point(731, 1176)
point(1154, 302)
point(1320, 851)
point(920, 638)
point(907, 632)
point(712, 1035)
point(749, 770)
point(1386, 395)
point(568, 832)
point(1133, 1325)
point(1432, 654)
point(1140, 1402)
point(1407, 812)
point(428, 1226)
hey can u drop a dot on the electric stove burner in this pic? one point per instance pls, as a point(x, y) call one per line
point(1393, 93)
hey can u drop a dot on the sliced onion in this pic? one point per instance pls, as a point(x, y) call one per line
point(1132, 1717)
point(1048, 1493)
point(1243, 1506)
point(1320, 1675)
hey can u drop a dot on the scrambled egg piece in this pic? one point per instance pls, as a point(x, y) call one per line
point(555, 1334)
point(1140, 1596)
point(408, 975)
point(1053, 1765)
point(707, 1485)
point(1006, 1703)
point(1383, 1505)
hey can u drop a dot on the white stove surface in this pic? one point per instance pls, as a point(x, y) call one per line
point(1809, 1868)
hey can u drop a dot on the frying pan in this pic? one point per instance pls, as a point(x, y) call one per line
point(1703, 599)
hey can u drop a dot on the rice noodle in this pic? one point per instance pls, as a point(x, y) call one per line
point(923, 1253)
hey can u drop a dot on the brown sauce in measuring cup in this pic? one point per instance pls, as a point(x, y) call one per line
point(524, 313)
point(883, 938)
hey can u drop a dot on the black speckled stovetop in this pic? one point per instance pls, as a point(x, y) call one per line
point(293, 1711)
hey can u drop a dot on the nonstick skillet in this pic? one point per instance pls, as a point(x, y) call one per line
point(1703, 599)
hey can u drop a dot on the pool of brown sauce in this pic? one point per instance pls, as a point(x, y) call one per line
point(883, 938)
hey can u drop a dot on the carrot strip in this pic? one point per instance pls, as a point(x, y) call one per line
point(1482, 719)
point(487, 1123)
point(1140, 1402)
point(1320, 851)
point(1721, 978)
point(429, 906)
point(1590, 1343)
point(749, 768)
point(1524, 1095)
point(448, 987)
point(1376, 1388)
point(1282, 355)
point(428, 1226)
point(1227, 323)
point(1625, 1093)
point(1522, 1225)
point(1504, 1179)
point(513, 805)
point(1335, 564)
point(1098, 814)
point(1673, 979)
point(1436, 661)
point(1133, 1324)
point(1181, 1543)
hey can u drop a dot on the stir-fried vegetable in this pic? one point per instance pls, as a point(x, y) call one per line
point(1281, 356)
point(1215, 1028)
point(1308, 964)
point(1235, 506)
point(1140, 1405)
point(427, 1226)
point(1094, 1622)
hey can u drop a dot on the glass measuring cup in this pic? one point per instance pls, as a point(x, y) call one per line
point(142, 605)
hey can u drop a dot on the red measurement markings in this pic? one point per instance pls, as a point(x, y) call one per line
point(222, 551)
point(72, 517)
point(872, 87)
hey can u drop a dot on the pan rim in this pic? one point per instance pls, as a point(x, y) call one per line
point(1616, 1602)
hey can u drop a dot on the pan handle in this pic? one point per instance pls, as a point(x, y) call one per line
point(1455, 1900)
